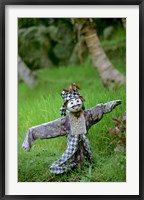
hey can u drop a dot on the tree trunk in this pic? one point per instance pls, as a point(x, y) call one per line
point(110, 76)
point(25, 73)
point(124, 22)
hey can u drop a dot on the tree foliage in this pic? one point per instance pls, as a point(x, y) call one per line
point(48, 42)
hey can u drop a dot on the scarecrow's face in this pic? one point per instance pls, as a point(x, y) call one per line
point(74, 105)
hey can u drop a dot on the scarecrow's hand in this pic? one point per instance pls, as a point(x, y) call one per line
point(108, 107)
point(26, 144)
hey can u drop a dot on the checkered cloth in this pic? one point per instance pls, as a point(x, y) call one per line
point(68, 158)
point(63, 110)
point(67, 95)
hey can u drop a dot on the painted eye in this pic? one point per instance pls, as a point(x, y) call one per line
point(71, 103)
point(77, 100)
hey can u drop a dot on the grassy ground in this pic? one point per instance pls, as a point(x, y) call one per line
point(42, 104)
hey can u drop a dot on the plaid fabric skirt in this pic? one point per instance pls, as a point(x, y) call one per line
point(69, 159)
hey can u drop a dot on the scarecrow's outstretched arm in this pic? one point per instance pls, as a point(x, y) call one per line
point(48, 130)
point(61, 126)
point(95, 114)
point(109, 106)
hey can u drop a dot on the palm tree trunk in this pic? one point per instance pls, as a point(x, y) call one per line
point(25, 73)
point(110, 76)
point(124, 22)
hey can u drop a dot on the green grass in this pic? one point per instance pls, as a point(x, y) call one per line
point(42, 104)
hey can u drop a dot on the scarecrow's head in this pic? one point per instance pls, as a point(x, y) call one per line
point(74, 105)
point(73, 102)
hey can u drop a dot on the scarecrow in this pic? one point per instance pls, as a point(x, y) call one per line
point(74, 125)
